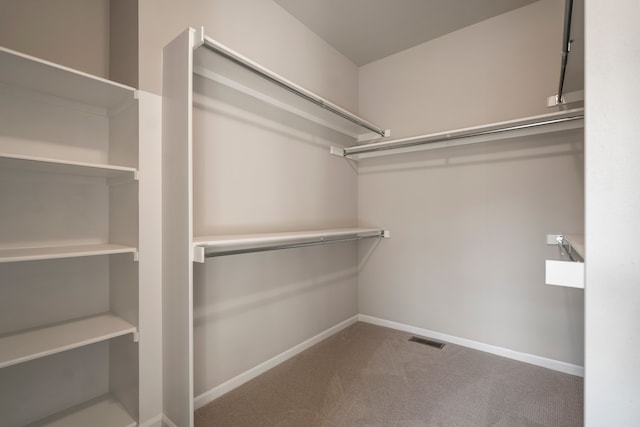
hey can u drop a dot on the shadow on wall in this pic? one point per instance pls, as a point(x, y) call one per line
point(216, 99)
point(223, 288)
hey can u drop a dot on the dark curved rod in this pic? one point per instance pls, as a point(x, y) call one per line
point(566, 45)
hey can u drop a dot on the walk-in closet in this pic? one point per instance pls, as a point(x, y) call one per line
point(318, 212)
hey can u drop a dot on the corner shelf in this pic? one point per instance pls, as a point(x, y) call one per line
point(246, 243)
point(55, 252)
point(35, 343)
point(68, 139)
point(569, 272)
point(103, 411)
point(41, 164)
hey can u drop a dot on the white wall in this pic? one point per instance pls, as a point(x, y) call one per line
point(74, 33)
point(499, 69)
point(123, 41)
point(612, 391)
point(255, 170)
point(468, 224)
point(259, 171)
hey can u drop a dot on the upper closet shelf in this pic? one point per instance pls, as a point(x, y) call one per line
point(212, 246)
point(40, 164)
point(20, 70)
point(536, 125)
point(214, 61)
point(55, 252)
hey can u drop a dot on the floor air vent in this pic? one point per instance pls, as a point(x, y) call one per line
point(425, 341)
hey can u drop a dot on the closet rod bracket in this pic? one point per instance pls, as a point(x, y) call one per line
point(199, 254)
point(337, 151)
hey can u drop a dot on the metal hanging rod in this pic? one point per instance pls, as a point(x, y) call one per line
point(554, 118)
point(321, 241)
point(287, 85)
point(566, 47)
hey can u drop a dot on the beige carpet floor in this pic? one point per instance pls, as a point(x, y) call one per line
point(368, 375)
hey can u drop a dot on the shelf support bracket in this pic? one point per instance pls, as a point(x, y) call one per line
point(565, 247)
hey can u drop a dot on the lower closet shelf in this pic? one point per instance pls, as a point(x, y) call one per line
point(41, 342)
point(103, 411)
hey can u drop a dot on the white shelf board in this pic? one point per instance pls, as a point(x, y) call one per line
point(35, 343)
point(41, 164)
point(103, 411)
point(54, 252)
point(18, 69)
point(564, 273)
point(216, 67)
point(536, 125)
point(222, 241)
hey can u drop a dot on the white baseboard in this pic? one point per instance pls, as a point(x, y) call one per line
point(237, 381)
point(154, 422)
point(166, 422)
point(544, 362)
point(246, 376)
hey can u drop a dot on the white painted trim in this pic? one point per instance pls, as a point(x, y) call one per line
point(166, 422)
point(154, 422)
point(214, 393)
point(544, 362)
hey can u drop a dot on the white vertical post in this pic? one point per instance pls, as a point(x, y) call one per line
point(177, 230)
point(612, 292)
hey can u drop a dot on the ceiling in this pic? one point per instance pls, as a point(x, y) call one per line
point(367, 30)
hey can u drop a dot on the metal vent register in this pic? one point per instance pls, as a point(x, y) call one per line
point(428, 342)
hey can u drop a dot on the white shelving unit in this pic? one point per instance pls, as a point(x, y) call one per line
point(69, 287)
point(217, 71)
